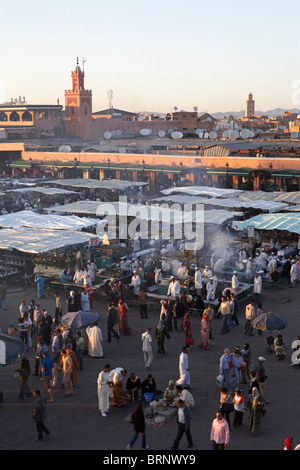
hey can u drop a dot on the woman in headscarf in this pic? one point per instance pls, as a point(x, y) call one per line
point(256, 412)
point(123, 327)
point(187, 328)
point(205, 328)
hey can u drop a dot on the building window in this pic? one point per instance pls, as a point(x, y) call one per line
point(14, 116)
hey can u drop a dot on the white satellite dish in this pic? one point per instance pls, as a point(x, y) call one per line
point(175, 108)
point(294, 135)
point(170, 130)
point(212, 135)
point(144, 132)
point(197, 131)
point(177, 135)
point(107, 135)
point(206, 135)
point(64, 149)
point(200, 134)
point(161, 133)
point(195, 109)
point(142, 117)
point(245, 134)
point(118, 133)
point(225, 134)
point(233, 135)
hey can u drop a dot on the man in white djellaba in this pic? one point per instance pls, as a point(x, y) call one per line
point(184, 371)
point(293, 273)
point(235, 282)
point(136, 282)
point(174, 288)
point(198, 281)
point(95, 338)
point(211, 290)
point(147, 348)
point(103, 385)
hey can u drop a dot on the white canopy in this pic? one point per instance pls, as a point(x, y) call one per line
point(42, 190)
point(228, 203)
point(201, 190)
point(29, 218)
point(153, 212)
point(31, 240)
point(97, 184)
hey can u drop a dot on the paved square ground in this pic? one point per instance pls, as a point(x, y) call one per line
point(76, 423)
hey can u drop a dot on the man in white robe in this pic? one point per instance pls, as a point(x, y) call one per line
point(184, 371)
point(174, 288)
point(116, 376)
point(198, 281)
point(293, 273)
point(235, 282)
point(85, 302)
point(206, 274)
point(136, 282)
point(87, 278)
point(78, 276)
point(182, 272)
point(103, 385)
point(95, 338)
point(249, 269)
point(257, 286)
point(92, 269)
point(210, 290)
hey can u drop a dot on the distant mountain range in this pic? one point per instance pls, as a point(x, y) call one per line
point(270, 113)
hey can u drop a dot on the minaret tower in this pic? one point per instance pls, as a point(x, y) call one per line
point(78, 107)
point(250, 106)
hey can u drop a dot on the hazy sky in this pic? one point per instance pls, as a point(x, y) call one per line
point(154, 55)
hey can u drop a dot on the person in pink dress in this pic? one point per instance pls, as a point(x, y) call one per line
point(205, 328)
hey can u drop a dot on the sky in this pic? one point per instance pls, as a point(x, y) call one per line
point(154, 55)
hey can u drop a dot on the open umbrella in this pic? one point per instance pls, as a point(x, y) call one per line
point(11, 349)
point(79, 319)
point(269, 321)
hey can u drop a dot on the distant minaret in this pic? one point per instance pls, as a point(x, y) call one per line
point(250, 106)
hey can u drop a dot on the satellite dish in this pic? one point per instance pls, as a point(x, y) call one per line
point(245, 134)
point(161, 133)
point(197, 131)
point(107, 135)
point(212, 135)
point(177, 135)
point(233, 135)
point(64, 149)
point(144, 132)
point(118, 133)
point(170, 130)
point(206, 135)
point(294, 135)
point(142, 117)
point(195, 109)
point(175, 108)
point(225, 134)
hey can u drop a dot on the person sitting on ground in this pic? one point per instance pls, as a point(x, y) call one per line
point(149, 385)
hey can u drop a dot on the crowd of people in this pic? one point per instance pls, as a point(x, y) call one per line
point(59, 351)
